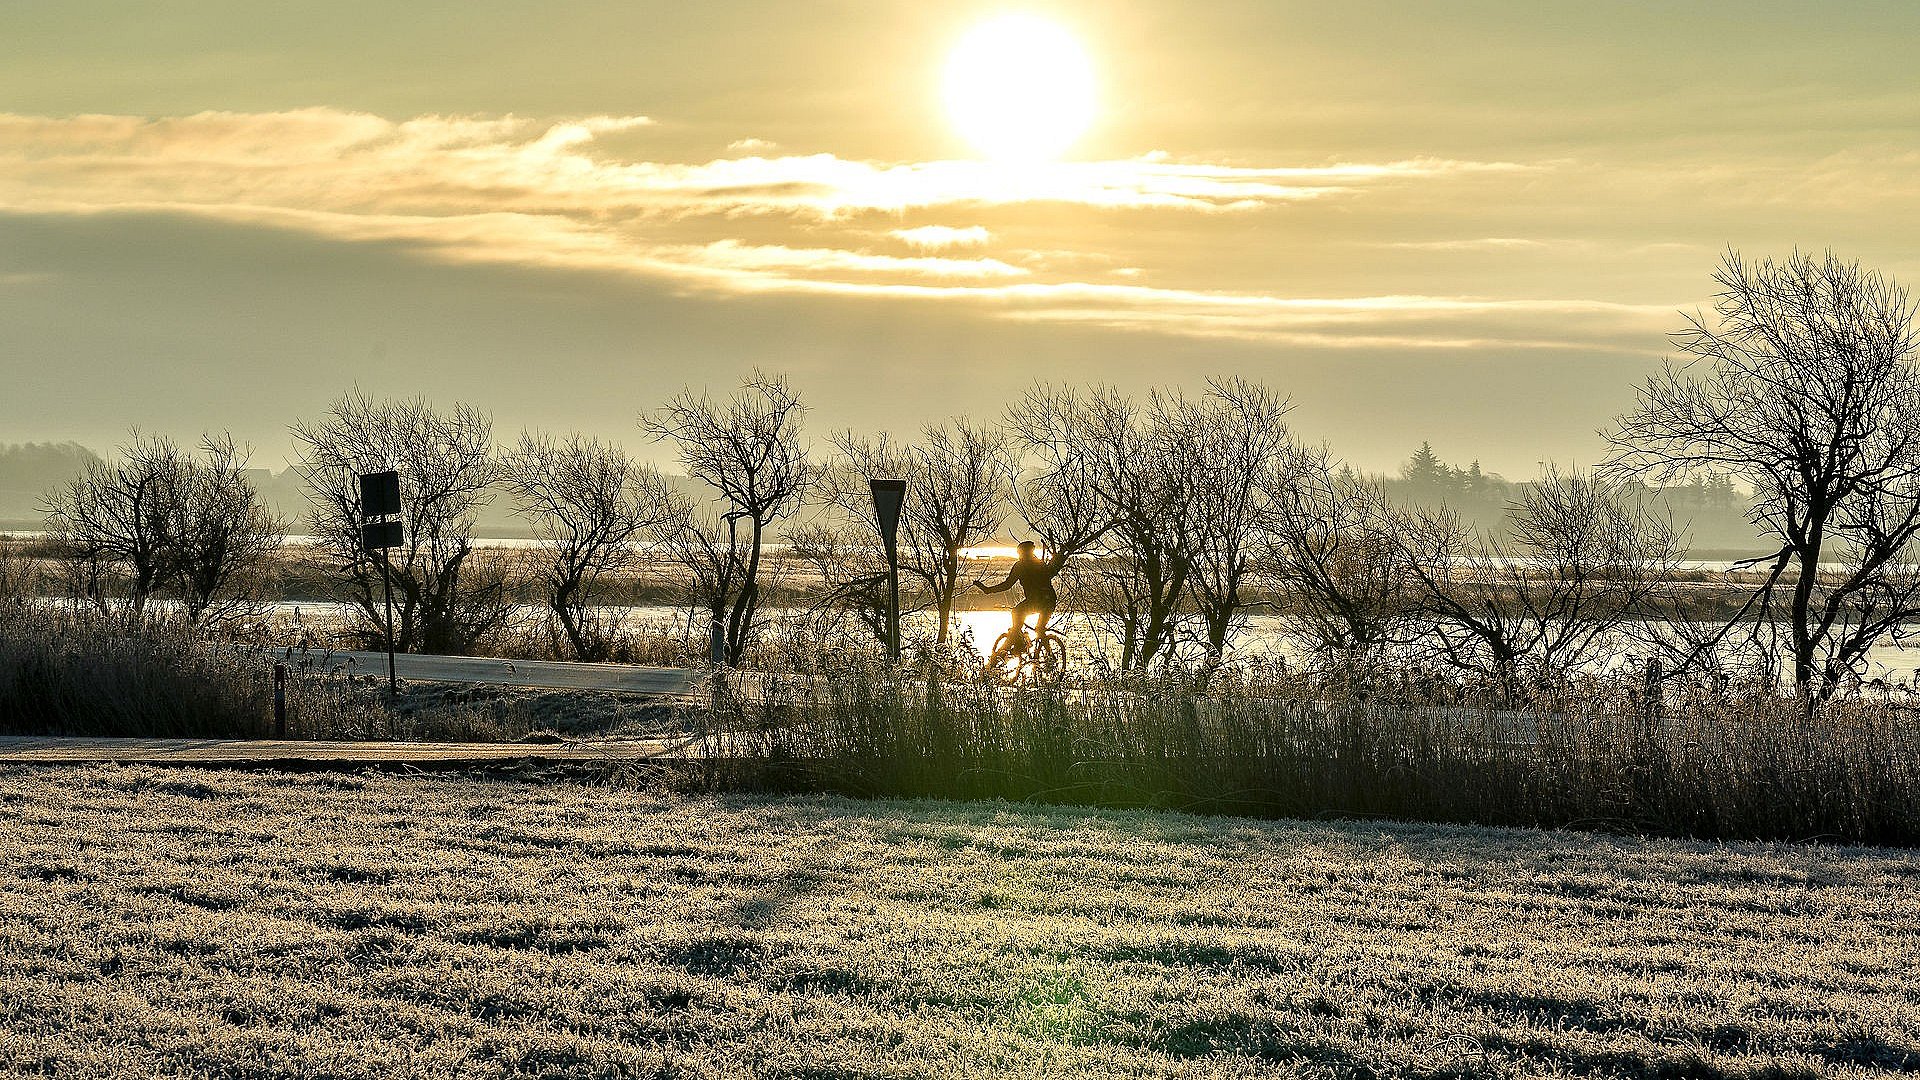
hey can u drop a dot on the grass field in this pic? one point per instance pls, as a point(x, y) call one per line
point(174, 922)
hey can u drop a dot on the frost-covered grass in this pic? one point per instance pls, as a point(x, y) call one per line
point(163, 923)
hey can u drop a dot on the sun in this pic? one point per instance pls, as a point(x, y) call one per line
point(1019, 88)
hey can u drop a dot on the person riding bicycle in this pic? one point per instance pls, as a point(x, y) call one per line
point(1035, 576)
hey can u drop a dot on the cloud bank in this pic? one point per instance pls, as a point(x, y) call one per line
point(508, 190)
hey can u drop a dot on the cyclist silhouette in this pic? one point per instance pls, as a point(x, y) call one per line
point(1035, 576)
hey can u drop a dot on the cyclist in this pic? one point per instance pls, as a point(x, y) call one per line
point(1035, 577)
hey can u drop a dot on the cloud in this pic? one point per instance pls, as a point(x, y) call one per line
point(940, 237)
point(1482, 243)
point(507, 190)
point(733, 255)
point(1400, 322)
point(324, 158)
point(752, 146)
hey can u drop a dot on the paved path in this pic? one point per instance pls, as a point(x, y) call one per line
point(298, 753)
point(548, 674)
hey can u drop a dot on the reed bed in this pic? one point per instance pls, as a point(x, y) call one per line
point(1739, 763)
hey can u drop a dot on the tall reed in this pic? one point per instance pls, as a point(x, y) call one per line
point(1734, 764)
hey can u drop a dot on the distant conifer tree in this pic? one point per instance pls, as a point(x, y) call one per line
point(1426, 467)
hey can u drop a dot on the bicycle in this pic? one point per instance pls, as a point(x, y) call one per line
point(1020, 658)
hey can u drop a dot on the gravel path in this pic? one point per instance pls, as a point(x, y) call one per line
point(50, 750)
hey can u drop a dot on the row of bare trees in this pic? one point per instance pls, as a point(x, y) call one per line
point(1174, 516)
point(1191, 513)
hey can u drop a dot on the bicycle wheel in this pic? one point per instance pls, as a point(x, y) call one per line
point(1048, 657)
point(1002, 664)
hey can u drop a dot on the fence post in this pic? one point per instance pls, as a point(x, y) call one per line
point(279, 701)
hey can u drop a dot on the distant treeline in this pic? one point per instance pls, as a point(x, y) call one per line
point(29, 470)
point(1711, 511)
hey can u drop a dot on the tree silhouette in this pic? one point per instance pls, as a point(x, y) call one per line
point(1804, 387)
point(747, 450)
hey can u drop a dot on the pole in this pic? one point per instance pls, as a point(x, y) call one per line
point(386, 586)
point(279, 701)
point(893, 599)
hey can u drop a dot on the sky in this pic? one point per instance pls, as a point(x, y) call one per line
point(1468, 223)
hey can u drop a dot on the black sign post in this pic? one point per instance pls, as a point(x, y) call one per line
point(888, 497)
point(380, 498)
point(379, 494)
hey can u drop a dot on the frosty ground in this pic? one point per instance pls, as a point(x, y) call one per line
point(177, 922)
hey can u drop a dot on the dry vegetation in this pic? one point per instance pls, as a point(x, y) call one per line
point(171, 923)
point(76, 672)
point(1732, 762)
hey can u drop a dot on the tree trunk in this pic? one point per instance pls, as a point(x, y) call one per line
point(1798, 619)
point(562, 602)
point(950, 584)
point(744, 605)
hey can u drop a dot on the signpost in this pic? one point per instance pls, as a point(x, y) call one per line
point(380, 498)
point(888, 497)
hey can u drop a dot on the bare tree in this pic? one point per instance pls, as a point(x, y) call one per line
point(958, 479)
point(1112, 480)
point(1057, 490)
point(851, 563)
point(169, 521)
point(748, 451)
point(710, 547)
point(110, 520)
point(844, 546)
point(1333, 545)
point(1242, 464)
point(1154, 475)
point(588, 502)
point(1523, 613)
point(216, 531)
point(1804, 387)
point(447, 601)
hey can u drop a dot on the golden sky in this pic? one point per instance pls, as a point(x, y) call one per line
point(1468, 222)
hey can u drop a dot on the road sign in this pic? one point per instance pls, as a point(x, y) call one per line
point(888, 497)
point(380, 535)
point(380, 498)
point(379, 494)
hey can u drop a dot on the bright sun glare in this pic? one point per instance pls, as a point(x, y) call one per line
point(1019, 88)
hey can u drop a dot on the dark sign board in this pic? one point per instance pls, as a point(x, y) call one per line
point(380, 535)
point(379, 494)
point(888, 495)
